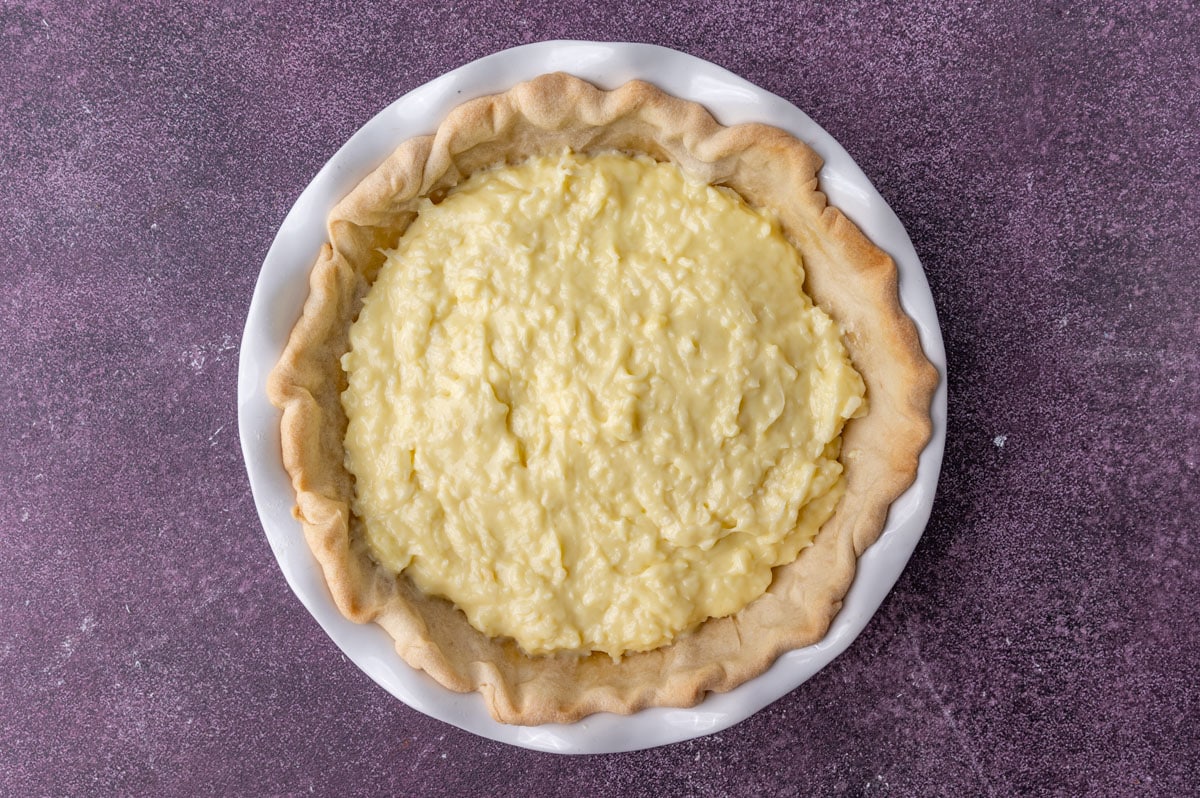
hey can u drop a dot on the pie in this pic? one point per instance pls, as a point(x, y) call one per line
point(562, 418)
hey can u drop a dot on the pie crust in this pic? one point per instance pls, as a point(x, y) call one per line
point(848, 276)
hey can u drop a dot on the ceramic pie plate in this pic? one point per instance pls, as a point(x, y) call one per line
point(283, 286)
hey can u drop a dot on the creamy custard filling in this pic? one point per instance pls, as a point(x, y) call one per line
point(591, 405)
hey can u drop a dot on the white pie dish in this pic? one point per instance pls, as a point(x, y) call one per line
point(283, 286)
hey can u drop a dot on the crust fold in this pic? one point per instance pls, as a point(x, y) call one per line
point(853, 280)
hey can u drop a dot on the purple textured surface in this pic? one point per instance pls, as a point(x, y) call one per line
point(1043, 640)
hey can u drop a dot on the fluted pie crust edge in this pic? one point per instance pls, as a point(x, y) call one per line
point(849, 277)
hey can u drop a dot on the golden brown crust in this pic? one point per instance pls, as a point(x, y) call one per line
point(853, 280)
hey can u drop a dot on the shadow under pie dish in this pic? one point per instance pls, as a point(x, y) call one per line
point(556, 116)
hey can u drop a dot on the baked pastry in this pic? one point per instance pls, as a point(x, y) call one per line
point(579, 664)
